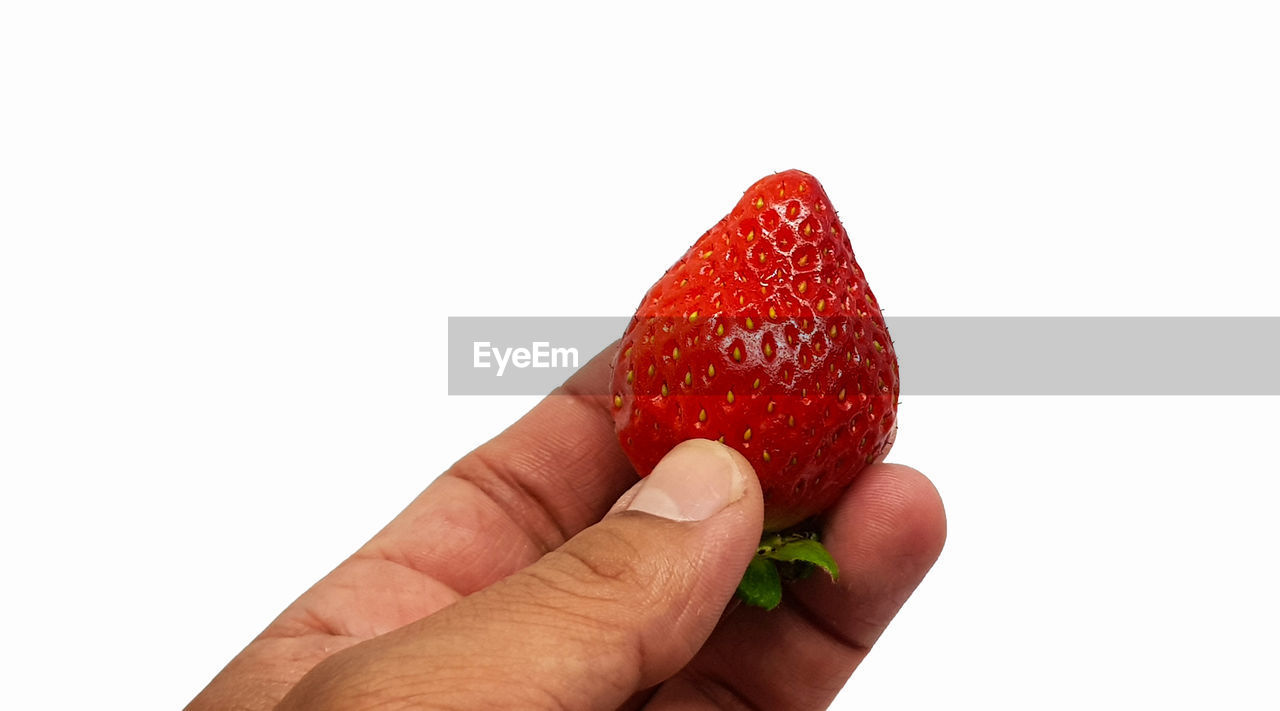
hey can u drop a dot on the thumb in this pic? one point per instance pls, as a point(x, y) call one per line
point(618, 608)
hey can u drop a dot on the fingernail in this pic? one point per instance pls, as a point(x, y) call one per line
point(694, 481)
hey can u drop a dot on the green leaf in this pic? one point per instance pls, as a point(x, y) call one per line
point(806, 550)
point(761, 585)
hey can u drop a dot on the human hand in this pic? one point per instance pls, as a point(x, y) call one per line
point(536, 573)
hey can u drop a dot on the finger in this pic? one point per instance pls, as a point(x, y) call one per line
point(497, 510)
point(519, 495)
point(885, 533)
point(618, 608)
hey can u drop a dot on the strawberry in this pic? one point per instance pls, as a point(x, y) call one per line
point(765, 336)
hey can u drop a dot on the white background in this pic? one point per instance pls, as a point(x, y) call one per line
point(231, 236)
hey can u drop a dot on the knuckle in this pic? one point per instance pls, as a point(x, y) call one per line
point(605, 574)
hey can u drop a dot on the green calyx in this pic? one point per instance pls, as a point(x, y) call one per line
point(785, 556)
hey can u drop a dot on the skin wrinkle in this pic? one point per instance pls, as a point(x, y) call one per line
point(694, 575)
point(719, 693)
point(639, 699)
point(580, 419)
point(408, 685)
point(585, 610)
point(317, 623)
point(448, 542)
point(621, 575)
point(472, 520)
point(533, 471)
point(350, 580)
point(526, 462)
point(815, 666)
point(678, 611)
point(685, 606)
point(806, 610)
point(538, 522)
point(611, 578)
point(598, 466)
point(899, 519)
point(399, 595)
point(619, 582)
point(381, 555)
point(524, 609)
point(827, 628)
point(506, 671)
point(265, 663)
point(530, 663)
point(883, 525)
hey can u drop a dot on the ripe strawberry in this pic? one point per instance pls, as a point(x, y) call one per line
point(766, 337)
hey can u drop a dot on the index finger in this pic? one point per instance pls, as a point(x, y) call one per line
point(523, 493)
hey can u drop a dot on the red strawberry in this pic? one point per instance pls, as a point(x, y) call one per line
point(766, 337)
